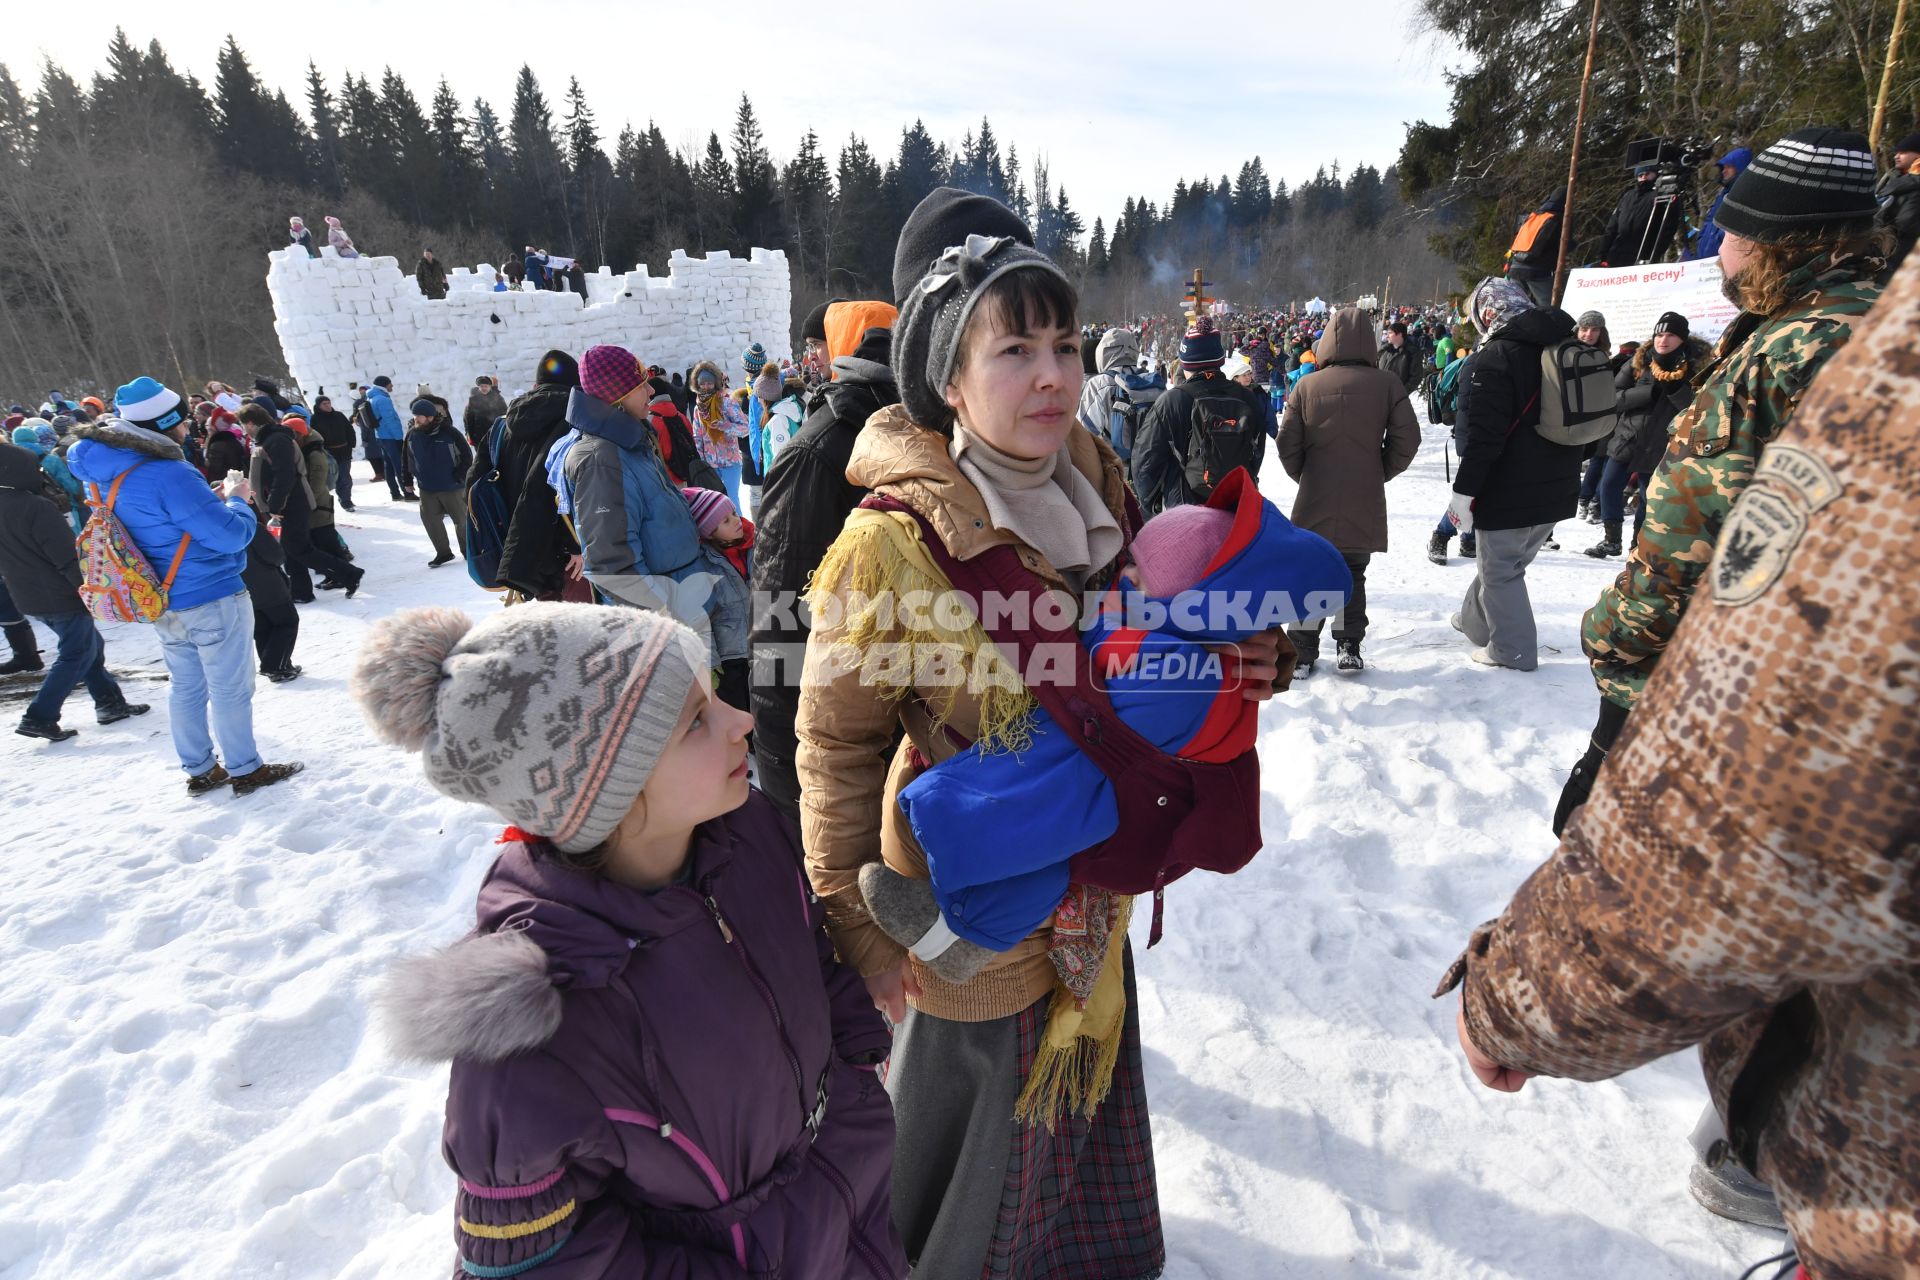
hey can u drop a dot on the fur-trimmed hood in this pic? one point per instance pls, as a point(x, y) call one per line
point(485, 998)
point(1698, 352)
point(118, 433)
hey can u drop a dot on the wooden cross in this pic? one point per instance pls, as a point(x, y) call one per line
point(1197, 298)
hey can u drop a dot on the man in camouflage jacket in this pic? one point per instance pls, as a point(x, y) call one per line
point(1746, 876)
point(1813, 189)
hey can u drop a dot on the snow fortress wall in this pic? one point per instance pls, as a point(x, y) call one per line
point(352, 319)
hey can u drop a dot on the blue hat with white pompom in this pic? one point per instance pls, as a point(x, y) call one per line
point(145, 402)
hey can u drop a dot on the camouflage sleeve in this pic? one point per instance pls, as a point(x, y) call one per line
point(1752, 834)
point(1709, 461)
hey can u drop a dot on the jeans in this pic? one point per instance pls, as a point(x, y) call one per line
point(1613, 495)
point(1497, 612)
point(209, 655)
point(1594, 476)
point(443, 504)
point(399, 470)
point(1348, 624)
point(343, 474)
point(82, 656)
point(730, 477)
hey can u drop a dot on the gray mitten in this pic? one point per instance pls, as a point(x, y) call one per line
point(905, 911)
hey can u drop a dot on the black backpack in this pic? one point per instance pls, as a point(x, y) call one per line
point(1224, 433)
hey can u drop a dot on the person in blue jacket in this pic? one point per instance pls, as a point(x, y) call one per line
point(390, 432)
point(639, 543)
point(1000, 829)
point(206, 634)
point(1706, 242)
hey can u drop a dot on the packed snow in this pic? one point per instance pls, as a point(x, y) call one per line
point(191, 1082)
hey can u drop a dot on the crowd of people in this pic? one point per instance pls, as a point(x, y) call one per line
point(665, 1058)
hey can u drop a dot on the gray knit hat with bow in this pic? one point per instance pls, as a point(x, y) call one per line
point(551, 715)
point(934, 311)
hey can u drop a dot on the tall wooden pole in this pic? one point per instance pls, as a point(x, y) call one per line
point(1886, 76)
point(1573, 164)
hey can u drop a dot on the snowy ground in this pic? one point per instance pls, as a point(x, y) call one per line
point(190, 1084)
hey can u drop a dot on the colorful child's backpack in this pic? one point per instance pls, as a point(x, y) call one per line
point(118, 584)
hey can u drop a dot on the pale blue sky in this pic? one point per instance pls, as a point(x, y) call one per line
point(1120, 101)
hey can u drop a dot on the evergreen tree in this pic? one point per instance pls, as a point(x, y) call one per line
point(1017, 199)
point(917, 170)
point(755, 218)
point(535, 206)
point(863, 226)
point(591, 190)
point(460, 197)
point(1067, 229)
point(714, 197)
point(364, 153)
point(328, 173)
point(416, 155)
point(240, 109)
point(807, 188)
point(1097, 249)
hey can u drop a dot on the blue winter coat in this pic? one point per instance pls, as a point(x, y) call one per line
point(637, 534)
point(441, 456)
point(56, 469)
point(1000, 829)
point(163, 500)
point(1707, 243)
point(389, 427)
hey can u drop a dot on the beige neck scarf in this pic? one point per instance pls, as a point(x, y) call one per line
point(1044, 502)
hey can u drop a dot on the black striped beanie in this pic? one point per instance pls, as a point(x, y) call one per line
point(1810, 181)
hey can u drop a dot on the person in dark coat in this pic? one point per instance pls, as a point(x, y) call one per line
point(677, 448)
point(1160, 449)
point(1652, 390)
point(226, 448)
point(441, 460)
point(541, 556)
point(1534, 255)
point(1399, 358)
point(485, 405)
point(431, 275)
point(659, 1066)
point(283, 491)
point(42, 572)
point(804, 501)
point(336, 433)
point(1513, 484)
point(276, 623)
point(1640, 229)
point(1900, 200)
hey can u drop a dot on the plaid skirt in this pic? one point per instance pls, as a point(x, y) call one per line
point(980, 1197)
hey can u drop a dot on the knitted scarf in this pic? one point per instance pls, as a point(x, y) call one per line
point(712, 411)
point(1044, 502)
point(1671, 367)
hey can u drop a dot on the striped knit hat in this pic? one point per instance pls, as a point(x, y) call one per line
point(146, 403)
point(552, 715)
point(1201, 348)
point(753, 359)
point(1815, 180)
point(710, 509)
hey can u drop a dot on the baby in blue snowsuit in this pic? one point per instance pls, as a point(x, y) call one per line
point(999, 830)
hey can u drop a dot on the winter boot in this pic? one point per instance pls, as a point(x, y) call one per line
point(906, 912)
point(1593, 512)
point(1585, 508)
point(1609, 544)
point(119, 711)
point(265, 776)
point(280, 675)
point(48, 729)
point(1732, 1192)
point(1469, 546)
point(1437, 547)
point(1349, 663)
point(201, 784)
point(1552, 543)
point(26, 650)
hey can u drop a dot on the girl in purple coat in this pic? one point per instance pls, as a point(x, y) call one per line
point(659, 1068)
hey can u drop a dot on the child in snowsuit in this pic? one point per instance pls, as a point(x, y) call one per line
point(659, 1067)
point(1000, 829)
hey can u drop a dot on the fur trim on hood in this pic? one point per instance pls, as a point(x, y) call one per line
point(121, 434)
point(1698, 352)
point(485, 998)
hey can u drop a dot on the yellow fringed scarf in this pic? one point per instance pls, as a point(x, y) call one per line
point(881, 552)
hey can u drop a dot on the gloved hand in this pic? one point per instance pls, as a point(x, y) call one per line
point(1579, 787)
point(1460, 512)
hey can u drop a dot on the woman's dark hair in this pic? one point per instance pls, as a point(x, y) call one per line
point(254, 415)
point(1023, 301)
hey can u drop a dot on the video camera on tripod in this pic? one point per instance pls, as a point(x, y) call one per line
point(1675, 206)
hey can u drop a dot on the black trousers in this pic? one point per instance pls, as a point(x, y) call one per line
point(1350, 623)
point(275, 628)
point(296, 541)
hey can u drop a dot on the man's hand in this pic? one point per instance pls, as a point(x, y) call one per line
point(1490, 1073)
point(890, 989)
point(234, 485)
point(1460, 512)
point(576, 567)
point(1262, 665)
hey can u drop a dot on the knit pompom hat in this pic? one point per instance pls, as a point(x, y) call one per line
point(753, 359)
point(146, 403)
point(1813, 180)
point(935, 309)
point(1201, 348)
point(610, 373)
point(552, 715)
point(1173, 549)
point(768, 385)
point(710, 509)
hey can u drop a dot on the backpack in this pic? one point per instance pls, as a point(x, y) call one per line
point(118, 583)
point(1576, 393)
point(1133, 394)
point(1225, 433)
point(488, 517)
point(1444, 403)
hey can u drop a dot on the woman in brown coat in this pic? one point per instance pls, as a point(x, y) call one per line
point(1347, 430)
point(1023, 1139)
